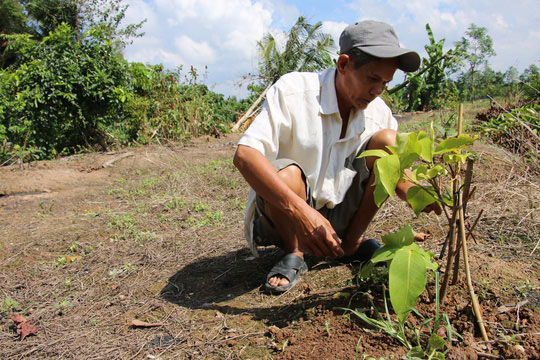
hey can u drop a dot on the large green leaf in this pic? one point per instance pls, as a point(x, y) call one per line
point(406, 280)
point(380, 194)
point(419, 198)
point(408, 149)
point(454, 144)
point(375, 152)
point(402, 237)
point(388, 173)
point(384, 254)
point(426, 145)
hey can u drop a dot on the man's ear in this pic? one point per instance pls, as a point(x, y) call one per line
point(342, 62)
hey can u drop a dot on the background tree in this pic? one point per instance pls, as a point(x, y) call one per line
point(47, 15)
point(12, 21)
point(81, 15)
point(530, 81)
point(428, 87)
point(306, 49)
point(478, 47)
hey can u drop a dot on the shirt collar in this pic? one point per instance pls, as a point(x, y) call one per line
point(328, 96)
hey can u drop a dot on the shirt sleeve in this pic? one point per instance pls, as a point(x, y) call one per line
point(268, 127)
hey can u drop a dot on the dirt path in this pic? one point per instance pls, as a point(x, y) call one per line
point(157, 237)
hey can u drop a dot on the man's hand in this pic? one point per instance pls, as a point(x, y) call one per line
point(316, 235)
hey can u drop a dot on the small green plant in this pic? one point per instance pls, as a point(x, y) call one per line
point(64, 304)
point(386, 325)
point(435, 173)
point(74, 247)
point(284, 345)
point(123, 222)
point(418, 151)
point(46, 207)
point(199, 206)
point(524, 290)
point(212, 218)
point(119, 193)
point(8, 305)
point(60, 261)
point(407, 270)
point(175, 203)
point(327, 327)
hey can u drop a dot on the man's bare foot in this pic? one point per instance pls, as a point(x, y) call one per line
point(280, 280)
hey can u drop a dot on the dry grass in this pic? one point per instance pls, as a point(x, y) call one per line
point(159, 239)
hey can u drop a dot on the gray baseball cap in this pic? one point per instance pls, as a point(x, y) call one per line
point(380, 40)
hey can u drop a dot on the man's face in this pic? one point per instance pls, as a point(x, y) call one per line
point(359, 87)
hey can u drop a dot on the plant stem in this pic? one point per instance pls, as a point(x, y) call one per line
point(450, 257)
point(476, 305)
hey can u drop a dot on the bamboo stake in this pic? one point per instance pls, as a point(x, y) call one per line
point(460, 119)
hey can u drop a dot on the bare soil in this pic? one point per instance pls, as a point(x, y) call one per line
point(157, 237)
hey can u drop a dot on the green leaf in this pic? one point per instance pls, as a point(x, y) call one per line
point(436, 342)
point(408, 149)
point(454, 144)
point(407, 280)
point(455, 158)
point(401, 141)
point(437, 356)
point(366, 270)
point(419, 198)
point(437, 170)
point(416, 353)
point(402, 237)
point(380, 194)
point(384, 254)
point(376, 152)
point(387, 171)
point(388, 252)
point(418, 172)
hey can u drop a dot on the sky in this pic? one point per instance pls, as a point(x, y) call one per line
point(218, 37)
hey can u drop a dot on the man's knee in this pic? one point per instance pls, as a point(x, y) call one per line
point(294, 178)
point(382, 139)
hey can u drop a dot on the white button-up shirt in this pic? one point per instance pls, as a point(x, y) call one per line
point(300, 120)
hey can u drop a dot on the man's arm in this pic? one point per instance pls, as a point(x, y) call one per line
point(312, 231)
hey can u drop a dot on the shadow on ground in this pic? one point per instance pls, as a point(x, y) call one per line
point(215, 284)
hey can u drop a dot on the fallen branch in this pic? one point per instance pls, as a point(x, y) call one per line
point(112, 161)
point(250, 110)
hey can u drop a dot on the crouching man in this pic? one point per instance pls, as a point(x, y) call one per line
point(309, 191)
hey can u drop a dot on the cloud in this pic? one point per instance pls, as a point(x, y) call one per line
point(511, 27)
point(195, 52)
point(218, 34)
point(222, 34)
point(334, 28)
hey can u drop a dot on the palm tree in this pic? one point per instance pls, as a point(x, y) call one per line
point(306, 49)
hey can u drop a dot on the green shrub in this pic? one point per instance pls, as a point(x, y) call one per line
point(61, 93)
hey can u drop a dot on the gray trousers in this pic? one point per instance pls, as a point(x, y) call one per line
point(264, 232)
